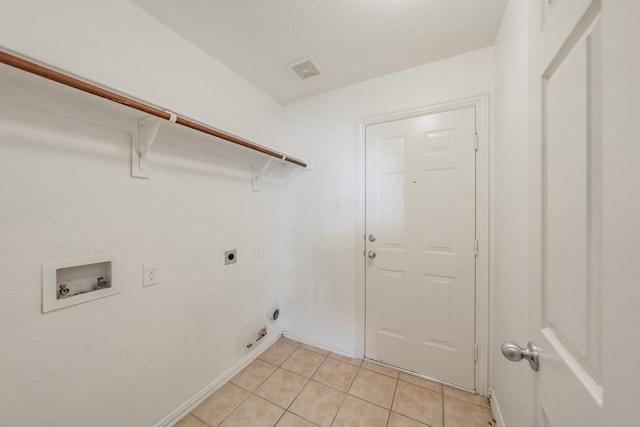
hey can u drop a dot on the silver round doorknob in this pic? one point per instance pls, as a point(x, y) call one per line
point(515, 353)
point(371, 254)
point(512, 351)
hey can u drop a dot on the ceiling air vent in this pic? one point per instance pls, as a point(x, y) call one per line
point(305, 68)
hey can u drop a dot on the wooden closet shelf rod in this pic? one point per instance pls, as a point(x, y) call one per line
point(73, 82)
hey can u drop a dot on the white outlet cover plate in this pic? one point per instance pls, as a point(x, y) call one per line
point(150, 275)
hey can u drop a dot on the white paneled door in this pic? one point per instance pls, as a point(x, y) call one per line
point(420, 244)
point(565, 210)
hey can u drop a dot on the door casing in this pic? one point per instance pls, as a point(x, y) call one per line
point(483, 219)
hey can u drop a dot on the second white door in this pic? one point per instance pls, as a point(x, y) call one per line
point(420, 247)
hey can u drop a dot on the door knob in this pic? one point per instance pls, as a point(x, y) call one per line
point(372, 237)
point(371, 254)
point(515, 353)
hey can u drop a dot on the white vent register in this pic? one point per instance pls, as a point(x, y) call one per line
point(305, 68)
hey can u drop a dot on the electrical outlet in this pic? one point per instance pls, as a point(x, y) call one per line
point(231, 256)
point(150, 272)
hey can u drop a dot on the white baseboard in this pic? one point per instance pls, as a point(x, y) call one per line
point(495, 408)
point(320, 344)
point(208, 390)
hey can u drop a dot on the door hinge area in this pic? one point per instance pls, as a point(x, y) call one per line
point(476, 142)
point(475, 352)
point(475, 247)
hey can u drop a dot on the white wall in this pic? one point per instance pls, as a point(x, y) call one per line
point(65, 191)
point(118, 44)
point(319, 247)
point(512, 383)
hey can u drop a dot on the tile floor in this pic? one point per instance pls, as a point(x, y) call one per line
point(297, 385)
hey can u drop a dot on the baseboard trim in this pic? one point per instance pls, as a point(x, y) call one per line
point(319, 343)
point(213, 386)
point(495, 408)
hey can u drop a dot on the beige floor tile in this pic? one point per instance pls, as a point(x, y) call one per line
point(303, 362)
point(292, 420)
point(254, 412)
point(458, 413)
point(336, 374)
point(277, 353)
point(253, 375)
point(418, 403)
point(374, 387)
point(281, 387)
point(290, 341)
point(190, 421)
point(317, 403)
point(314, 349)
point(397, 420)
point(380, 369)
point(346, 359)
point(373, 391)
point(468, 397)
point(421, 382)
point(220, 404)
point(358, 413)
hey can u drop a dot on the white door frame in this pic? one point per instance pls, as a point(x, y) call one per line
point(481, 103)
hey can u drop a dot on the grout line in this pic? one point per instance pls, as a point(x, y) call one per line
point(316, 370)
point(299, 374)
point(258, 386)
point(345, 393)
point(265, 380)
point(294, 373)
point(330, 386)
point(239, 404)
point(442, 405)
point(199, 419)
point(297, 345)
point(468, 402)
point(288, 356)
point(315, 349)
point(307, 380)
point(352, 381)
point(381, 373)
point(344, 397)
point(281, 417)
point(413, 419)
point(395, 389)
point(307, 420)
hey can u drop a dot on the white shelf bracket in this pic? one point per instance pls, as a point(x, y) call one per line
point(260, 166)
point(142, 141)
point(147, 131)
point(297, 171)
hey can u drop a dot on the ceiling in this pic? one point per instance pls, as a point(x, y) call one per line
point(351, 40)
